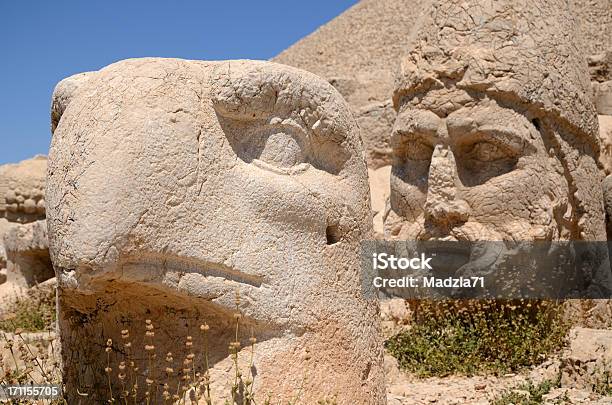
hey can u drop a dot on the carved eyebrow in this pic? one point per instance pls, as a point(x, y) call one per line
point(260, 91)
point(502, 136)
point(241, 98)
point(416, 121)
point(257, 93)
point(398, 138)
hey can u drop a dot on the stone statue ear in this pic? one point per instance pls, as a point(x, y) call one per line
point(63, 93)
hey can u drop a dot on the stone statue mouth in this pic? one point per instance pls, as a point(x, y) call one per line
point(172, 269)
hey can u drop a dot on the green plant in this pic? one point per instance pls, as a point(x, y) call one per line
point(603, 380)
point(33, 312)
point(468, 337)
point(527, 394)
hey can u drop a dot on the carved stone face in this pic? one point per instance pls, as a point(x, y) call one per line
point(509, 128)
point(468, 168)
point(178, 183)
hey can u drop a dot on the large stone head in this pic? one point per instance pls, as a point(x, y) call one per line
point(496, 137)
point(172, 184)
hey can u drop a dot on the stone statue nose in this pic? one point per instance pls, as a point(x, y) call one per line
point(442, 206)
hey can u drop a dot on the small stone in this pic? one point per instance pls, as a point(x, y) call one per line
point(11, 197)
point(40, 206)
point(29, 206)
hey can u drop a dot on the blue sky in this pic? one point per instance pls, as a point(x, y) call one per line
point(43, 42)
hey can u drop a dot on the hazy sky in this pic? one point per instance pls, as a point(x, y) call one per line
point(43, 42)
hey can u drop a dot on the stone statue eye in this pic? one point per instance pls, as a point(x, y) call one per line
point(282, 150)
point(417, 151)
point(483, 160)
point(487, 152)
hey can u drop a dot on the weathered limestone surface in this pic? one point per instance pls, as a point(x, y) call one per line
point(24, 258)
point(22, 190)
point(62, 95)
point(605, 135)
point(587, 359)
point(496, 136)
point(602, 92)
point(4, 227)
point(594, 28)
point(358, 52)
point(600, 66)
point(174, 183)
point(379, 193)
point(27, 253)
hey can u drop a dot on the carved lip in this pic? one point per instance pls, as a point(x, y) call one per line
point(157, 265)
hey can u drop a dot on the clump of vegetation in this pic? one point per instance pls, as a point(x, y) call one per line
point(603, 380)
point(527, 394)
point(28, 360)
point(478, 336)
point(33, 312)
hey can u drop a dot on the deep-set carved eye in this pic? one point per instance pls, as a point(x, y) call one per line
point(282, 150)
point(486, 152)
point(483, 160)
